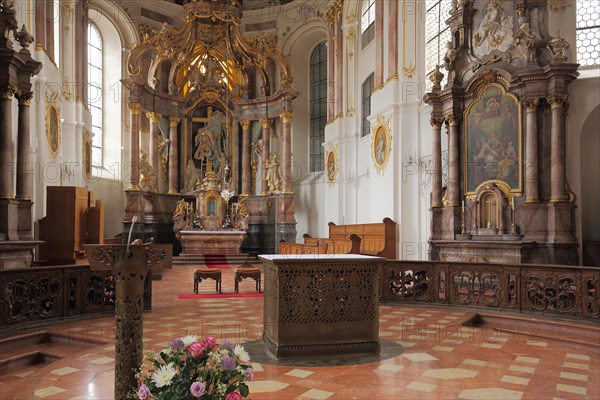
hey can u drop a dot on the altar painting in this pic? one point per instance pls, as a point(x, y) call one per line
point(493, 139)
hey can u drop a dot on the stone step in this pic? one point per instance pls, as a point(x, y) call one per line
point(232, 259)
point(39, 348)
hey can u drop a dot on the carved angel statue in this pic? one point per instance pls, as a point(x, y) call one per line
point(495, 31)
point(146, 172)
point(239, 215)
point(558, 46)
point(274, 174)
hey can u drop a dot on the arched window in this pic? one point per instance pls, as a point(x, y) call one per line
point(367, 89)
point(437, 34)
point(318, 105)
point(367, 22)
point(588, 32)
point(94, 92)
point(104, 95)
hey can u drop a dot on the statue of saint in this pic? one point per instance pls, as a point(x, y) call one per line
point(274, 174)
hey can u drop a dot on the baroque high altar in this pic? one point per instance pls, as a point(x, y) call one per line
point(219, 109)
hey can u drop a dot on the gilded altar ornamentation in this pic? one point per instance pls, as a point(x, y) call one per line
point(331, 164)
point(146, 172)
point(53, 123)
point(381, 143)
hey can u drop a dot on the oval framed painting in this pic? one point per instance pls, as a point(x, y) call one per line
point(53, 128)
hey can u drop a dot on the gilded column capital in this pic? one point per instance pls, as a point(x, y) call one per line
point(265, 122)
point(7, 92)
point(153, 116)
point(531, 104)
point(173, 121)
point(24, 98)
point(245, 124)
point(436, 123)
point(134, 108)
point(558, 100)
point(452, 119)
point(286, 117)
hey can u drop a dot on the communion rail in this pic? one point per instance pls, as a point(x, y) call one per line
point(552, 290)
point(34, 296)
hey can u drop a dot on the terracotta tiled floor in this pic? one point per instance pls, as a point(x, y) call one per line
point(442, 359)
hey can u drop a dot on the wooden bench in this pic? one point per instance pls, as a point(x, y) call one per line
point(376, 239)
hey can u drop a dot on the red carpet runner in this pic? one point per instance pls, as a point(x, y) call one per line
point(217, 295)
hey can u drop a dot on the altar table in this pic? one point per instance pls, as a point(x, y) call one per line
point(211, 242)
point(321, 304)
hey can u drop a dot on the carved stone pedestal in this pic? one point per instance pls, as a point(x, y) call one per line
point(130, 266)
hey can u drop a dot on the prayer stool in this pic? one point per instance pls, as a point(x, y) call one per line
point(206, 273)
point(247, 270)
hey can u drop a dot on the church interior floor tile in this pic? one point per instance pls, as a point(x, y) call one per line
point(430, 354)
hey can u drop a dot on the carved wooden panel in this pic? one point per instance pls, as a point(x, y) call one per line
point(551, 291)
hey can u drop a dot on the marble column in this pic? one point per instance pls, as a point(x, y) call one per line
point(154, 156)
point(23, 143)
point(7, 168)
point(453, 162)
point(286, 119)
point(531, 152)
point(134, 145)
point(379, 17)
point(436, 179)
point(246, 168)
point(558, 163)
point(393, 38)
point(266, 146)
point(173, 156)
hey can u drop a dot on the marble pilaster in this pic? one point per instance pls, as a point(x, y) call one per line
point(154, 156)
point(173, 156)
point(134, 145)
point(436, 180)
point(246, 169)
point(7, 167)
point(286, 119)
point(393, 38)
point(558, 163)
point(24, 188)
point(379, 44)
point(453, 162)
point(266, 147)
point(531, 152)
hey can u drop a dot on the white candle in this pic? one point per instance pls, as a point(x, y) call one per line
point(463, 206)
point(513, 204)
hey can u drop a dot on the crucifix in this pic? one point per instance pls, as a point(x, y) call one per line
point(490, 203)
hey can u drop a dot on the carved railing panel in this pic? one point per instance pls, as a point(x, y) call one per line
point(557, 292)
point(409, 283)
point(34, 295)
point(548, 289)
point(591, 294)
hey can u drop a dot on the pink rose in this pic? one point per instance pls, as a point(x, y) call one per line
point(195, 349)
point(210, 342)
point(233, 396)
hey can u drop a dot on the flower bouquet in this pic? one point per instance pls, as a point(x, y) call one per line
point(190, 369)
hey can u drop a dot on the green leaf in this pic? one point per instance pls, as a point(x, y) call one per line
point(244, 390)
